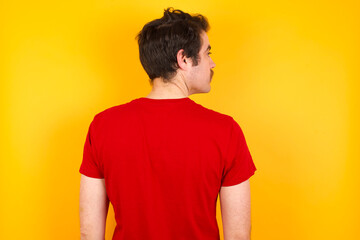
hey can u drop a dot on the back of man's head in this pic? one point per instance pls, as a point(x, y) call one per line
point(161, 39)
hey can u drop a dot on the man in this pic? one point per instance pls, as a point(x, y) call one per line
point(162, 160)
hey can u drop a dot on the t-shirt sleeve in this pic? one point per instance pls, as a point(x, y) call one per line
point(239, 165)
point(90, 165)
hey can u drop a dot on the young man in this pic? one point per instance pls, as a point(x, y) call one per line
point(162, 160)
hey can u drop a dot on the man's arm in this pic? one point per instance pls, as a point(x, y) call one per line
point(94, 205)
point(235, 211)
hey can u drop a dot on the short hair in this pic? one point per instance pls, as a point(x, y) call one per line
point(161, 39)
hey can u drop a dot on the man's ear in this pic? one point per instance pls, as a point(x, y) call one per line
point(182, 61)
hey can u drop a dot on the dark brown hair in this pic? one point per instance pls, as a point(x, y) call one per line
point(161, 39)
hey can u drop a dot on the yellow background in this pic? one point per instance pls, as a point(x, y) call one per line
point(287, 71)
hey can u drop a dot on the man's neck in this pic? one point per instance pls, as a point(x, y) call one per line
point(170, 90)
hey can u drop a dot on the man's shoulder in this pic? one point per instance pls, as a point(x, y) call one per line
point(214, 115)
point(114, 111)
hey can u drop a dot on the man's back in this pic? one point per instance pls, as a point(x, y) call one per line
point(164, 162)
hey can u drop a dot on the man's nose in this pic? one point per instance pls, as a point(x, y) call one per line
point(212, 64)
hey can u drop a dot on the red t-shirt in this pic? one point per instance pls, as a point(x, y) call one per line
point(164, 161)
